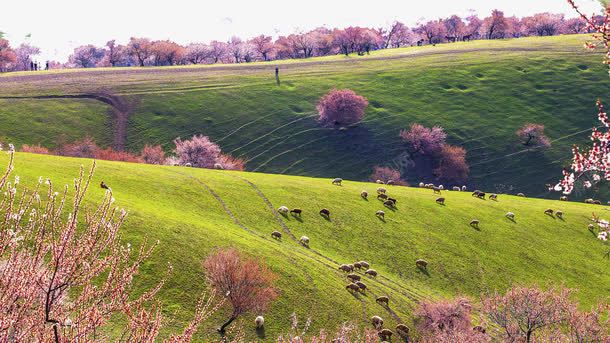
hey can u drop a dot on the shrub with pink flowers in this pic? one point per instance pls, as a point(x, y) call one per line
point(423, 140)
point(201, 152)
point(152, 154)
point(35, 149)
point(386, 174)
point(532, 135)
point(341, 107)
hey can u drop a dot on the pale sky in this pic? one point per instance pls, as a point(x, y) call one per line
point(58, 26)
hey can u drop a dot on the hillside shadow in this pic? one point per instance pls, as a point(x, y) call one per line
point(260, 332)
point(298, 218)
point(381, 219)
point(424, 271)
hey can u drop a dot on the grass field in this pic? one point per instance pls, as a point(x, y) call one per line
point(480, 92)
point(193, 211)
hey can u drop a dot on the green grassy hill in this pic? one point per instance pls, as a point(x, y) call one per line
point(480, 92)
point(193, 211)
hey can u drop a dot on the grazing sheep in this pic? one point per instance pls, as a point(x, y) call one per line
point(304, 240)
point(493, 197)
point(479, 328)
point(371, 272)
point(389, 203)
point(364, 194)
point(393, 200)
point(440, 201)
point(510, 216)
point(589, 201)
point(345, 268)
point(597, 202)
point(380, 214)
point(383, 300)
point(377, 322)
point(422, 264)
point(381, 190)
point(477, 193)
point(464, 188)
point(352, 287)
point(259, 321)
point(379, 182)
point(382, 196)
point(353, 277)
point(296, 212)
point(430, 185)
point(276, 235)
point(563, 198)
point(548, 212)
point(402, 330)
point(337, 181)
point(283, 209)
point(422, 185)
point(456, 188)
point(357, 265)
point(361, 285)
point(364, 264)
point(390, 182)
point(441, 187)
point(521, 195)
point(436, 190)
point(591, 227)
point(325, 212)
point(188, 164)
point(559, 214)
point(219, 166)
point(385, 334)
point(474, 223)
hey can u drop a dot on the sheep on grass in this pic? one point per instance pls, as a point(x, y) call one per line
point(259, 321)
point(337, 181)
point(377, 322)
point(276, 235)
point(371, 272)
point(364, 194)
point(421, 264)
point(383, 300)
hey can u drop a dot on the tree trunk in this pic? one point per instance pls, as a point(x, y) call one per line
point(222, 329)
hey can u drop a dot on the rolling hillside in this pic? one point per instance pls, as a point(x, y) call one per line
point(193, 211)
point(480, 92)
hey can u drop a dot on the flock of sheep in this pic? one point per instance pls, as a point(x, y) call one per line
point(355, 284)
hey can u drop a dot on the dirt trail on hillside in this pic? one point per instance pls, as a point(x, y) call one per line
point(120, 110)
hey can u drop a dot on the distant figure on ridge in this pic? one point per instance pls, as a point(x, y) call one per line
point(277, 75)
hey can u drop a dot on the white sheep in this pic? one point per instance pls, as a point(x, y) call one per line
point(380, 213)
point(422, 185)
point(304, 240)
point(377, 322)
point(283, 210)
point(510, 216)
point(364, 194)
point(337, 181)
point(441, 187)
point(380, 182)
point(559, 214)
point(456, 188)
point(381, 190)
point(188, 164)
point(464, 188)
point(259, 321)
point(218, 166)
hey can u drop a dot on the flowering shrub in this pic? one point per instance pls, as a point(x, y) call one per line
point(83, 148)
point(452, 165)
point(201, 152)
point(447, 321)
point(35, 149)
point(592, 164)
point(386, 174)
point(532, 135)
point(110, 154)
point(152, 154)
point(423, 140)
point(341, 107)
